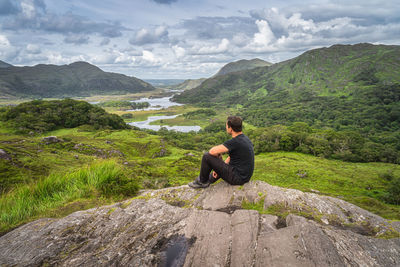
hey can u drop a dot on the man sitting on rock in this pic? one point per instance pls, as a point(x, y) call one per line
point(237, 168)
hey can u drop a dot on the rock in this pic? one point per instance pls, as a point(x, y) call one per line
point(189, 154)
point(76, 156)
point(51, 140)
point(181, 226)
point(108, 142)
point(4, 154)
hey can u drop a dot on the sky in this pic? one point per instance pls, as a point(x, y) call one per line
point(185, 39)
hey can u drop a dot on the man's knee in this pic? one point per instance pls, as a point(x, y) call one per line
point(207, 155)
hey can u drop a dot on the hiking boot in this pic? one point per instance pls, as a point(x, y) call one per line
point(198, 184)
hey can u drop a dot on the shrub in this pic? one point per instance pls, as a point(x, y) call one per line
point(41, 116)
point(393, 189)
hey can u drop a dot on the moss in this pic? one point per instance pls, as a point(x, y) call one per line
point(111, 211)
point(126, 204)
point(389, 234)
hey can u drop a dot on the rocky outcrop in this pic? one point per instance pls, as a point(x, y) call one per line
point(51, 140)
point(186, 227)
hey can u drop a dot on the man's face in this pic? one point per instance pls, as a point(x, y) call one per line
point(228, 129)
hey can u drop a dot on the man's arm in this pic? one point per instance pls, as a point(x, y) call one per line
point(228, 159)
point(217, 150)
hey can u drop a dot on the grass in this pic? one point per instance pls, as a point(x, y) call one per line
point(359, 183)
point(104, 179)
point(54, 180)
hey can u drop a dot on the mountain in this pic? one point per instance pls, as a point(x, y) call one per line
point(4, 64)
point(343, 86)
point(76, 79)
point(242, 65)
point(187, 84)
point(163, 82)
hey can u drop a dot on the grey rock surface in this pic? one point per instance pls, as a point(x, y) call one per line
point(4, 154)
point(181, 226)
point(51, 140)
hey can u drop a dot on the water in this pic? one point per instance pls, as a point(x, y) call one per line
point(146, 124)
point(156, 103)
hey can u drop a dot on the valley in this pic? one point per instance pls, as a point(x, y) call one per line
point(326, 155)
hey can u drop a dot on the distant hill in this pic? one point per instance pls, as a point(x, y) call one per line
point(242, 65)
point(187, 84)
point(163, 83)
point(4, 64)
point(343, 86)
point(76, 79)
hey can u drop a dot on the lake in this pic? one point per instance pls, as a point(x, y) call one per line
point(156, 103)
point(146, 124)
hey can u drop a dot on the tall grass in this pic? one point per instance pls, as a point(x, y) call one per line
point(102, 179)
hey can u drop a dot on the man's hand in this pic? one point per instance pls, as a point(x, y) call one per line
point(220, 149)
point(214, 174)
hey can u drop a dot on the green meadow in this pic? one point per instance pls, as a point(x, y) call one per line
point(89, 168)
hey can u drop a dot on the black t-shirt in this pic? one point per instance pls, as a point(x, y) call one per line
point(242, 156)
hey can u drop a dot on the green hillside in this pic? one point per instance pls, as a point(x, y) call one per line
point(344, 87)
point(76, 79)
point(187, 84)
point(241, 65)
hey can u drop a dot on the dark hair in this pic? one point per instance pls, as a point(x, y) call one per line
point(234, 122)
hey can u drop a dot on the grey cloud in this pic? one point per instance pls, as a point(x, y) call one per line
point(218, 27)
point(67, 23)
point(164, 1)
point(150, 36)
point(76, 39)
point(7, 7)
point(105, 41)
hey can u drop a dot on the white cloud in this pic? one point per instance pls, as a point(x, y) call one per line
point(4, 42)
point(211, 49)
point(178, 51)
point(265, 36)
point(7, 51)
point(33, 49)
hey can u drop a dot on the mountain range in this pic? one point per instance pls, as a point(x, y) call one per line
point(239, 65)
point(76, 79)
point(343, 86)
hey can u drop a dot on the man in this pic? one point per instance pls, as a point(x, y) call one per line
point(237, 168)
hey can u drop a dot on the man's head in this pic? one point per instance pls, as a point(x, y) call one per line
point(233, 123)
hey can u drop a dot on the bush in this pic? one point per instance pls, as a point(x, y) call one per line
point(127, 116)
point(41, 116)
point(393, 189)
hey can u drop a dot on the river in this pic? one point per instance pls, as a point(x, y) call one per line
point(146, 124)
point(157, 104)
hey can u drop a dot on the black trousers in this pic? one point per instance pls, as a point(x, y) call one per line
point(224, 171)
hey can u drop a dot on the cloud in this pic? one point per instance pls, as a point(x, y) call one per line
point(146, 36)
point(178, 51)
point(168, 2)
point(7, 7)
point(206, 28)
point(33, 49)
point(212, 49)
point(105, 41)
point(76, 39)
point(7, 51)
point(33, 15)
point(279, 31)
